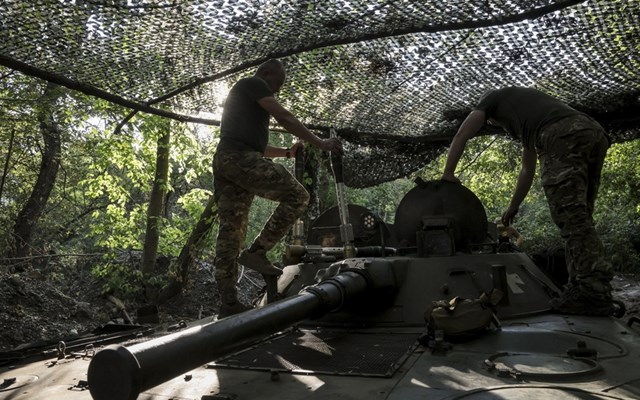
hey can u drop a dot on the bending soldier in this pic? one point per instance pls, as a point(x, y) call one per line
point(571, 148)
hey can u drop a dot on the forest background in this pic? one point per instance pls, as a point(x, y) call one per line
point(129, 205)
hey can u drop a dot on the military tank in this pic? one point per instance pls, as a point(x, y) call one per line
point(436, 305)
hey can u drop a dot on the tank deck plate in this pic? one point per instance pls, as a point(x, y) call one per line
point(326, 352)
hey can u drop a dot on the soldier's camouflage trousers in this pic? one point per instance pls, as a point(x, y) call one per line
point(571, 153)
point(238, 177)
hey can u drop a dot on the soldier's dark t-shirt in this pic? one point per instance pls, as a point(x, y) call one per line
point(245, 125)
point(523, 112)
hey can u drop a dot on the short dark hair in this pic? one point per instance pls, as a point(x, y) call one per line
point(269, 65)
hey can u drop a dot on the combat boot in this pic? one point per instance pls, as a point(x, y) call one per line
point(582, 300)
point(230, 303)
point(257, 260)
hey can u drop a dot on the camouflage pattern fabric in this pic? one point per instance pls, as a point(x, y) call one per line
point(571, 153)
point(238, 177)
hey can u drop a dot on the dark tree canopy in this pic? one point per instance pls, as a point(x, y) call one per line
point(394, 77)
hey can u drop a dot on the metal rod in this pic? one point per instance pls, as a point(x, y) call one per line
point(298, 226)
point(346, 229)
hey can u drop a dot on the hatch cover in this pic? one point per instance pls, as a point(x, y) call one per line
point(326, 352)
point(540, 366)
point(528, 392)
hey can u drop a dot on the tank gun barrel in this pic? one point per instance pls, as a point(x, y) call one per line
point(122, 373)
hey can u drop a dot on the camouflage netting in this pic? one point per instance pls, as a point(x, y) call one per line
point(393, 77)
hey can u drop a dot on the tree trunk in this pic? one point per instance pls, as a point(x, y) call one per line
point(156, 205)
point(33, 208)
point(5, 171)
point(188, 253)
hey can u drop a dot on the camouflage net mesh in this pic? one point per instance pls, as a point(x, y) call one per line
point(393, 77)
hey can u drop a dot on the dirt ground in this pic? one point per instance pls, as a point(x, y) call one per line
point(38, 308)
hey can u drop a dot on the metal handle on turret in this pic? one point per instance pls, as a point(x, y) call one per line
point(336, 166)
point(346, 230)
point(298, 170)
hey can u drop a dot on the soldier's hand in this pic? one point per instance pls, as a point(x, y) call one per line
point(332, 144)
point(509, 215)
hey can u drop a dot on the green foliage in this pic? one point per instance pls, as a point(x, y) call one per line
point(99, 202)
point(488, 167)
point(19, 132)
point(118, 277)
point(125, 174)
point(68, 205)
point(382, 199)
point(186, 213)
point(617, 212)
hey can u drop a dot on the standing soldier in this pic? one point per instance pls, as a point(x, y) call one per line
point(241, 172)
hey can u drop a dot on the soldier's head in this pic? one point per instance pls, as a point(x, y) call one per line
point(272, 71)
